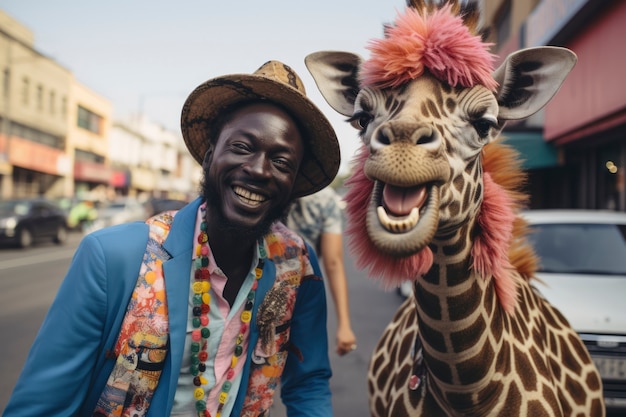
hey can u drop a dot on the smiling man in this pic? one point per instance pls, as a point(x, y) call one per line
point(205, 310)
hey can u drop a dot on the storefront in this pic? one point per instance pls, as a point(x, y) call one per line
point(586, 120)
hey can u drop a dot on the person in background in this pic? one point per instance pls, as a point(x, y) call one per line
point(318, 218)
point(201, 312)
point(82, 215)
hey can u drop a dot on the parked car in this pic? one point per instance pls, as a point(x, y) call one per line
point(583, 273)
point(121, 210)
point(26, 220)
point(159, 205)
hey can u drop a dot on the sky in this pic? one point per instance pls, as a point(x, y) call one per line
point(146, 56)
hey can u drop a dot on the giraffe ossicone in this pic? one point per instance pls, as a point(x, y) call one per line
point(433, 197)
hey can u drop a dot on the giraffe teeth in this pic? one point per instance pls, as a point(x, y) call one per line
point(398, 225)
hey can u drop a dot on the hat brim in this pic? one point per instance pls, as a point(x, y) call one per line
point(321, 160)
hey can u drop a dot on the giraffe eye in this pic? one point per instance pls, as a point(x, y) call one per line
point(360, 120)
point(483, 126)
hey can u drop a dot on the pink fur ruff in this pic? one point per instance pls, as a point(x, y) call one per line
point(439, 42)
point(491, 246)
point(389, 270)
point(490, 249)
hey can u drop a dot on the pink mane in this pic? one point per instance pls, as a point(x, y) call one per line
point(493, 240)
point(490, 249)
point(439, 42)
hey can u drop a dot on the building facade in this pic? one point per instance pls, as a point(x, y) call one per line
point(58, 138)
point(34, 107)
point(575, 149)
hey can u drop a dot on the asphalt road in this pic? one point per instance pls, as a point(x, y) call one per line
point(30, 278)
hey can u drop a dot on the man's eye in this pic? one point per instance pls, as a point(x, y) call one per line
point(241, 147)
point(283, 164)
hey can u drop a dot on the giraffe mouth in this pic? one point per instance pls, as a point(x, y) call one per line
point(401, 221)
point(399, 209)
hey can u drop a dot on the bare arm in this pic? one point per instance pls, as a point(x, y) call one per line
point(332, 258)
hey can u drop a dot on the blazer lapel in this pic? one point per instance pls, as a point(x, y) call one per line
point(177, 272)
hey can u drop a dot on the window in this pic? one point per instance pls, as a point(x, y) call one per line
point(584, 248)
point(89, 120)
point(6, 82)
point(51, 105)
point(64, 107)
point(25, 91)
point(34, 135)
point(40, 97)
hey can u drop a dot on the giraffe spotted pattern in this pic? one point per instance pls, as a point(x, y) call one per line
point(434, 197)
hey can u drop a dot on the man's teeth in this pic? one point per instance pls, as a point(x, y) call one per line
point(248, 197)
point(398, 225)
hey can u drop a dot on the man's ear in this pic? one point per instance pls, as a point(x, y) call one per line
point(208, 156)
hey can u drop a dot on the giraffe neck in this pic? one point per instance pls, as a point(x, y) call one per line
point(456, 309)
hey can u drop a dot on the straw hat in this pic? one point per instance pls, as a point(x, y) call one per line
point(273, 82)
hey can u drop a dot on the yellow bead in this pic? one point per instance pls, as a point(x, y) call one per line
point(223, 396)
point(206, 298)
point(258, 272)
point(246, 316)
point(233, 362)
point(206, 286)
point(198, 250)
point(197, 287)
point(203, 380)
point(198, 393)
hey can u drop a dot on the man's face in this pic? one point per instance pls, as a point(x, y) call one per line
point(250, 174)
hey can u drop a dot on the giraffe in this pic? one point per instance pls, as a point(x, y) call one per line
point(434, 197)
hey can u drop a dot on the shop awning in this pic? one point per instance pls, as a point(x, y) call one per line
point(533, 149)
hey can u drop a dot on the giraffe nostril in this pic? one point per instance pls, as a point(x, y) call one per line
point(424, 139)
point(383, 138)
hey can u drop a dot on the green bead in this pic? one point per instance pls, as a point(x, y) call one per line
point(194, 370)
point(205, 332)
point(195, 347)
point(197, 299)
point(196, 322)
point(238, 350)
point(251, 295)
point(226, 386)
point(200, 405)
point(194, 359)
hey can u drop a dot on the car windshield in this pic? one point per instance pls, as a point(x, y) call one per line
point(580, 248)
point(116, 206)
point(14, 207)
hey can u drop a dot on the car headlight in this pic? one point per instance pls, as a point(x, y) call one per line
point(9, 223)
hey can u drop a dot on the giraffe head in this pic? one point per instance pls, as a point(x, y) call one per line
point(425, 104)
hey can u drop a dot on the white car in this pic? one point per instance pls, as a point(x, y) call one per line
point(583, 274)
point(121, 210)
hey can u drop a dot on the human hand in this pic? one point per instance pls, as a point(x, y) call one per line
point(346, 341)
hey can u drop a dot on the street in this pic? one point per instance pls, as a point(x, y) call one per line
point(29, 280)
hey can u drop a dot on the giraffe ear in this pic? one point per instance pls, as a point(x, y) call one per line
point(529, 78)
point(335, 74)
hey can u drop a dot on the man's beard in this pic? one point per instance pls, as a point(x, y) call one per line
point(212, 198)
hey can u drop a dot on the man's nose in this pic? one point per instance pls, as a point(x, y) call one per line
point(259, 165)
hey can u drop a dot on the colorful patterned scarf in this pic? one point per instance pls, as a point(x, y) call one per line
point(142, 345)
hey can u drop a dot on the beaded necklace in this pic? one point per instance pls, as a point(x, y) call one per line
point(199, 336)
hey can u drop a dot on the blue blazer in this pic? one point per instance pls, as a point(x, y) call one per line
point(67, 366)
